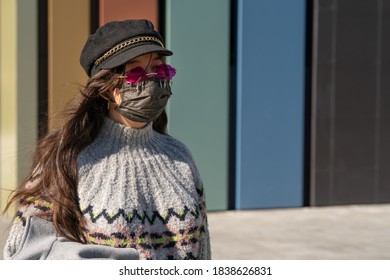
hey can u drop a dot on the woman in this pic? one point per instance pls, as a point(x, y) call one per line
point(110, 175)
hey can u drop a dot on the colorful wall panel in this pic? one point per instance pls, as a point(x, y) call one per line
point(270, 103)
point(110, 10)
point(65, 74)
point(18, 91)
point(351, 103)
point(198, 33)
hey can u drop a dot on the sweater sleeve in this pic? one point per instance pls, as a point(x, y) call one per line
point(27, 208)
point(204, 252)
point(14, 239)
point(204, 241)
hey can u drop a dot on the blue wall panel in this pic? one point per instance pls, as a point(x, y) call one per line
point(270, 103)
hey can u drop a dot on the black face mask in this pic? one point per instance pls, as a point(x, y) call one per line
point(144, 101)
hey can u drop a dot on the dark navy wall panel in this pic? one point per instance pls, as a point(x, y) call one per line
point(270, 103)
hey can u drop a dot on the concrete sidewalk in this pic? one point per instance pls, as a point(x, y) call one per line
point(337, 232)
point(329, 233)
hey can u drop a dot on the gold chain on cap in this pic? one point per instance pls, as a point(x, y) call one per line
point(125, 44)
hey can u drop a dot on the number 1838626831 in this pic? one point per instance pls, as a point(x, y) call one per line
point(232, 270)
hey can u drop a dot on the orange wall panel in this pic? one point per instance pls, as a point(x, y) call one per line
point(68, 28)
point(110, 10)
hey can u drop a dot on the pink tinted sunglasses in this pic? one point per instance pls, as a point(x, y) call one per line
point(160, 72)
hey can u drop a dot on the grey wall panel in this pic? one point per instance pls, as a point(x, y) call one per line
point(351, 124)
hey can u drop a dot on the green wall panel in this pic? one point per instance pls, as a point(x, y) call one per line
point(198, 34)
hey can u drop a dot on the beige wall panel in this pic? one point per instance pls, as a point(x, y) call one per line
point(110, 10)
point(68, 30)
point(8, 147)
point(18, 91)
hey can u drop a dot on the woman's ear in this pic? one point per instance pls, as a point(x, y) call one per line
point(114, 97)
point(117, 96)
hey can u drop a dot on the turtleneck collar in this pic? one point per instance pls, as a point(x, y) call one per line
point(117, 132)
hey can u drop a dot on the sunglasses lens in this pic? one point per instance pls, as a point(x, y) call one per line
point(162, 71)
point(165, 71)
point(136, 75)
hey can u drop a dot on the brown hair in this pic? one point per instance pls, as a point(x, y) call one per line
point(56, 154)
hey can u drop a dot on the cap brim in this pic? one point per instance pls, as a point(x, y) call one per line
point(127, 54)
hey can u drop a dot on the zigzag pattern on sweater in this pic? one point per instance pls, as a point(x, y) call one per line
point(38, 203)
point(20, 217)
point(39, 207)
point(145, 241)
point(142, 216)
point(148, 240)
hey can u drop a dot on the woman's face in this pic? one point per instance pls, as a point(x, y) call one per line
point(148, 62)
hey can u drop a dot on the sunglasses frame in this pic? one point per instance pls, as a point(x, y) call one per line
point(143, 75)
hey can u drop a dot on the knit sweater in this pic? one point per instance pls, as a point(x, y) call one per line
point(138, 189)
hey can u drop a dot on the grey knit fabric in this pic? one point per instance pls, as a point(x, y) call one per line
point(139, 189)
point(41, 242)
point(17, 233)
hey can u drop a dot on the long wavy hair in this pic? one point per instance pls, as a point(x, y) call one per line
point(56, 154)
